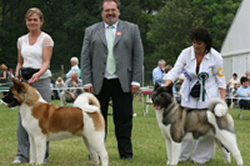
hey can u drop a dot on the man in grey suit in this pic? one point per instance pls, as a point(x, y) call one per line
point(114, 72)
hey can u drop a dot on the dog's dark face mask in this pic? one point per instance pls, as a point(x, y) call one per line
point(9, 98)
point(162, 96)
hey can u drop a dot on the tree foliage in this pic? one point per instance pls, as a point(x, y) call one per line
point(170, 29)
point(164, 25)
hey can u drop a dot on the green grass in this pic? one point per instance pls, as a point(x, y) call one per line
point(148, 142)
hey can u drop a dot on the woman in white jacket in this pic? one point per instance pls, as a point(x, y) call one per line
point(203, 68)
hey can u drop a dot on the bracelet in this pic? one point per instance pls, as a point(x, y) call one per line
point(17, 76)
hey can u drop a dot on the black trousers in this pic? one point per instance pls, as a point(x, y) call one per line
point(122, 113)
point(244, 104)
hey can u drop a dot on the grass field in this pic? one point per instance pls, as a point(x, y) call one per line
point(148, 142)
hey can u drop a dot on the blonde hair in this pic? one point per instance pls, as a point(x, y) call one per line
point(59, 78)
point(3, 67)
point(34, 10)
point(74, 59)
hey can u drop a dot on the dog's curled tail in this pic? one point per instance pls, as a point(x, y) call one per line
point(87, 102)
point(218, 107)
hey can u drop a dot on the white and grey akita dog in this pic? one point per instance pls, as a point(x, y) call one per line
point(178, 123)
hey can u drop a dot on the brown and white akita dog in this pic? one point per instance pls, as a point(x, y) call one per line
point(46, 122)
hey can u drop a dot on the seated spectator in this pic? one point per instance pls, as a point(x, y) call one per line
point(6, 76)
point(52, 91)
point(177, 87)
point(70, 94)
point(11, 72)
point(234, 80)
point(244, 92)
point(158, 71)
point(74, 67)
point(165, 75)
point(59, 84)
point(247, 75)
point(230, 94)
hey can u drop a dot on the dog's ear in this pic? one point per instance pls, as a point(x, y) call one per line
point(16, 81)
point(156, 85)
point(169, 88)
point(19, 85)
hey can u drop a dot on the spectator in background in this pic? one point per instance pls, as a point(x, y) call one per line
point(244, 92)
point(6, 77)
point(232, 102)
point(11, 72)
point(177, 87)
point(247, 75)
point(74, 85)
point(53, 92)
point(74, 67)
point(165, 75)
point(158, 71)
point(231, 84)
point(59, 84)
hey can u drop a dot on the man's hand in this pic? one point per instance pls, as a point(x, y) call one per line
point(72, 95)
point(74, 83)
point(89, 88)
point(134, 89)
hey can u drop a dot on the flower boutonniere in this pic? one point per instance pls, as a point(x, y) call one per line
point(118, 33)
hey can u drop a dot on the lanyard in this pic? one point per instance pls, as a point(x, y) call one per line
point(203, 76)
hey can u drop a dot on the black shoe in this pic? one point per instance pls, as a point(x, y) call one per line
point(45, 161)
point(127, 158)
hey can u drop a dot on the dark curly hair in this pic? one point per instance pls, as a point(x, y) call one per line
point(243, 79)
point(202, 34)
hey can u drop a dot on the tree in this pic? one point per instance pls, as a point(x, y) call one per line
point(164, 25)
point(172, 25)
point(169, 31)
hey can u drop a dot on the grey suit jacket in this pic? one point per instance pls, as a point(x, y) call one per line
point(128, 53)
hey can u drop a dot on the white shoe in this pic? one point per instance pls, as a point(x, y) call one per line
point(16, 161)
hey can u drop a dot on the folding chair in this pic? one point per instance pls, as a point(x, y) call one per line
point(147, 102)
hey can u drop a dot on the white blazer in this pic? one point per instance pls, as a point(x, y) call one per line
point(212, 64)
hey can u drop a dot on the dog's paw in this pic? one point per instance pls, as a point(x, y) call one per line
point(32, 162)
point(39, 163)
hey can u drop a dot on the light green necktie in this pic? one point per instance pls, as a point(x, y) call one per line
point(111, 59)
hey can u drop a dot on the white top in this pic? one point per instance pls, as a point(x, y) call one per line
point(59, 84)
point(233, 82)
point(212, 64)
point(33, 54)
point(74, 69)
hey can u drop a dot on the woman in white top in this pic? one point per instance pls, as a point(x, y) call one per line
point(34, 51)
point(199, 61)
point(233, 82)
